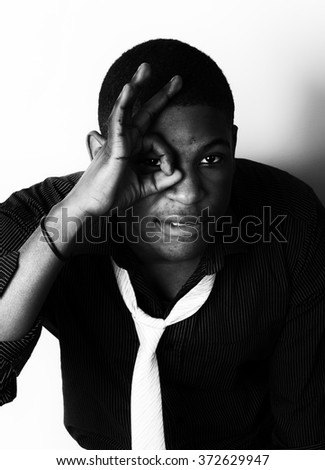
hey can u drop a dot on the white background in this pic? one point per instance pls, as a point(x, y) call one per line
point(54, 55)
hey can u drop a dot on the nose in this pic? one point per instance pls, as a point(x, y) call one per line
point(188, 190)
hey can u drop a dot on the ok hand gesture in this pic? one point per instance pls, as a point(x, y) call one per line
point(110, 180)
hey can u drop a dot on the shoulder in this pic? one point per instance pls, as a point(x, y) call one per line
point(44, 194)
point(257, 185)
point(288, 209)
point(24, 208)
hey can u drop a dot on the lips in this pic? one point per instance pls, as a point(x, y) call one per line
point(178, 220)
point(185, 227)
point(178, 224)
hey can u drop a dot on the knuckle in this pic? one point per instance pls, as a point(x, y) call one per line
point(130, 87)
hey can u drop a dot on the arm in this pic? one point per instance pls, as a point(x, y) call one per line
point(38, 268)
point(19, 216)
point(298, 364)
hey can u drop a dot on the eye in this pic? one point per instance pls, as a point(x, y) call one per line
point(211, 159)
point(148, 165)
point(151, 162)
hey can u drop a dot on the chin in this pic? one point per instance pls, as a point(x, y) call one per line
point(175, 251)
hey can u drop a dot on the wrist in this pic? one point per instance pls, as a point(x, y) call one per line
point(63, 223)
point(50, 241)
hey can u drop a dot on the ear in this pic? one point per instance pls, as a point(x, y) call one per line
point(234, 143)
point(94, 143)
point(234, 139)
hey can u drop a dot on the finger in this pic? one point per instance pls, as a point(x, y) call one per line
point(153, 143)
point(145, 116)
point(122, 109)
point(133, 87)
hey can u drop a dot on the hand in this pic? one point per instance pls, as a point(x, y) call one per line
point(110, 180)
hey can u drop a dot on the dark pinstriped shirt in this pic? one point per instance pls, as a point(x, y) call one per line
point(247, 371)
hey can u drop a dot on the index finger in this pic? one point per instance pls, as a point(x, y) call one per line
point(145, 116)
point(122, 109)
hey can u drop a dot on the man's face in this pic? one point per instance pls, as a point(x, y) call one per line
point(203, 143)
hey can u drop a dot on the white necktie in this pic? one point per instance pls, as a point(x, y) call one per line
point(147, 428)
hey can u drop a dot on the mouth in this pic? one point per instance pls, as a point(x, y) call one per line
point(178, 220)
point(178, 226)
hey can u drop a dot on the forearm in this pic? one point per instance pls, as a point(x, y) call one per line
point(37, 271)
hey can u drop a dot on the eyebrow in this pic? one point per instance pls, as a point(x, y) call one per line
point(215, 142)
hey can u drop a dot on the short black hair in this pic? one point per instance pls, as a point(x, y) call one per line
point(203, 81)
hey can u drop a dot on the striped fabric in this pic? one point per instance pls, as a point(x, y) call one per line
point(247, 371)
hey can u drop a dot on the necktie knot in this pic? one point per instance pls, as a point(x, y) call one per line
point(149, 335)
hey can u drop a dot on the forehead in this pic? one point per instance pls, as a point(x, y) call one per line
point(192, 125)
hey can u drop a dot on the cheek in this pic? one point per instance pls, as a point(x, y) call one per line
point(143, 207)
point(219, 199)
point(218, 188)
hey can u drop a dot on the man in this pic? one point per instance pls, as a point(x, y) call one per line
point(166, 234)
